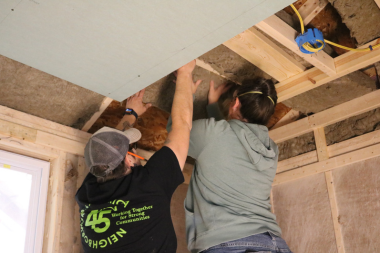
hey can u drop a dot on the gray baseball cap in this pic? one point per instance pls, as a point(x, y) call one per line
point(109, 147)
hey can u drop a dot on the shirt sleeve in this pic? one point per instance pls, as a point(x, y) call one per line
point(213, 111)
point(164, 168)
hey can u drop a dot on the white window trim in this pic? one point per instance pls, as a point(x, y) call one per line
point(40, 172)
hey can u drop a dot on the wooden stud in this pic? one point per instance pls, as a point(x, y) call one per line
point(330, 164)
point(334, 212)
point(27, 148)
point(353, 144)
point(106, 102)
point(312, 78)
point(320, 143)
point(297, 161)
point(286, 35)
point(82, 173)
point(58, 142)
point(18, 131)
point(206, 66)
point(311, 9)
point(335, 114)
point(365, 140)
point(256, 48)
point(290, 117)
point(291, 130)
point(377, 2)
point(37, 123)
point(54, 205)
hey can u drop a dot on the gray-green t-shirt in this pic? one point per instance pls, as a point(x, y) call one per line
point(229, 191)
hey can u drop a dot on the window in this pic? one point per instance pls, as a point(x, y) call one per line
point(23, 193)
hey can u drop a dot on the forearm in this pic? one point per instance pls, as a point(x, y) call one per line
point(182, 113)
point(126, 122)
point(182, 108)
point(170, 122)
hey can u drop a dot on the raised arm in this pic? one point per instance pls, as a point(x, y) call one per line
point(213, 110)
point(182, 113)
point(135, 103)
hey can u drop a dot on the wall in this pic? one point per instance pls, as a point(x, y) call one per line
point(303, 210)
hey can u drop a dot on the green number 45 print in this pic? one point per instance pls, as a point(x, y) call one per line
point(98, 219)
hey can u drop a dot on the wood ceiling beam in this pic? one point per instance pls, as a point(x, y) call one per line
point(312, 78)
point(286, 35)
point(256, 48)
point(106, 102)
point(311, 9)
point(377, 2)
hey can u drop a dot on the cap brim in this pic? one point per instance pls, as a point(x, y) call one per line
point(133, 134)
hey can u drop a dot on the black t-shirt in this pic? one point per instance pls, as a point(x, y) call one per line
point(131, 214)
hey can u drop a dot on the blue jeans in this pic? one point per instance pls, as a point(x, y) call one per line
point(260, 243)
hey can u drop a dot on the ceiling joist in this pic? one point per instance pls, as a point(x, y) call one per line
point(311, 9)
point(256, 48)
point(312, 78)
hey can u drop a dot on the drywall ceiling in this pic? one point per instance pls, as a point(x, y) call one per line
point(118, 47)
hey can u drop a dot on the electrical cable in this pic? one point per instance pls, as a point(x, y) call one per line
point(308, 47)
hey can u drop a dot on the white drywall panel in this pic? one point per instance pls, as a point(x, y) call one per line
point(118, 47)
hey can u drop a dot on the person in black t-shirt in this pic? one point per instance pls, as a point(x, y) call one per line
point(125, 207)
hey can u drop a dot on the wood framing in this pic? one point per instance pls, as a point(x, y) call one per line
point(285, 34)
point(377, 2)
point(44, 125)
point(356, 143)
point(334, 212)
point(314, 77)
point(82, 172)
point(54, 204)
point(290, 117)
point(320, 142)
point(106, 102)
point(311, 9)
point(351, 108)
point(327, 165)
point(39, 138)
point(334, 150)
point(208, 67)
point(256, 48)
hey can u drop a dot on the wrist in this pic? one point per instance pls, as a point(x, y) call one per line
point(210, 102)
point(131, 111)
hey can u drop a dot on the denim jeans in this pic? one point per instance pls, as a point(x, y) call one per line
point(260, 243)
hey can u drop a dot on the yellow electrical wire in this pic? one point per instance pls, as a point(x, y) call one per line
point(314, 48)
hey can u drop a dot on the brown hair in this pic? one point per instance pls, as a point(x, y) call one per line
point(257, 108)
point(102, 175)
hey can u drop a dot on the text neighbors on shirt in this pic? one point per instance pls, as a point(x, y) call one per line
point(99, 222)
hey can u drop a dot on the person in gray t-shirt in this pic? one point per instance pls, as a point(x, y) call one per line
point(227, 205)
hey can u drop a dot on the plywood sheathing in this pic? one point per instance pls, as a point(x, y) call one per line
point(361, 17)
point(331, 94)
point(32, 91)
point(358, 198)
point(303, 213)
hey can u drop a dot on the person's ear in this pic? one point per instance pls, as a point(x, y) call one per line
point(236, 104)
point(128, 161)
